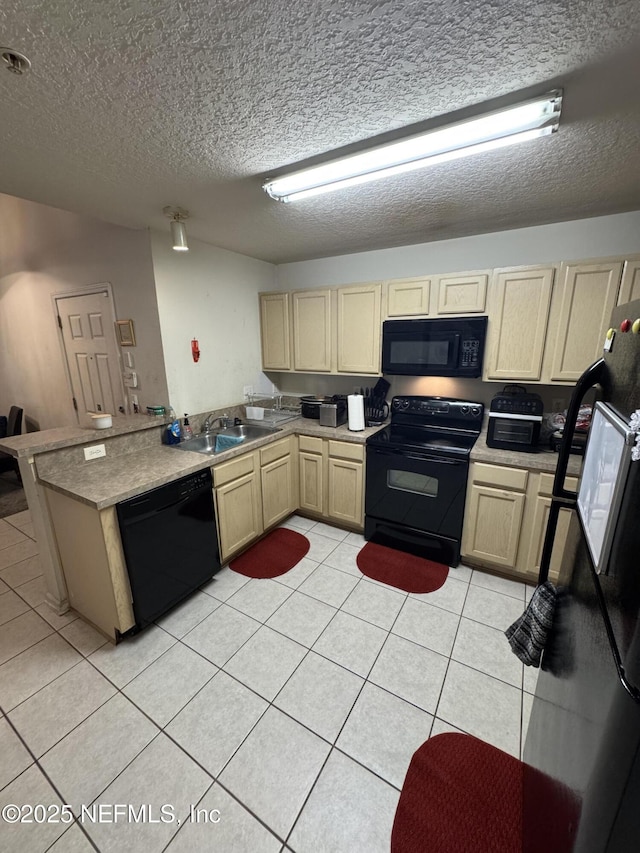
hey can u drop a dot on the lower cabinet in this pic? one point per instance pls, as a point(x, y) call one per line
point(332, 479)
point(253, 492)
point(90, 550)
point(278, 481)
point(506, 517)
point(238, 503)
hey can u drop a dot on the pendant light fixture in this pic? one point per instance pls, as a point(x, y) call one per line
point(496, 129)
point(177, 215)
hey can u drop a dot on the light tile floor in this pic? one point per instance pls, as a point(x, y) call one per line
point(284, 711)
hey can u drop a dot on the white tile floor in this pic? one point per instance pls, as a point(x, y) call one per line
point(290, 706)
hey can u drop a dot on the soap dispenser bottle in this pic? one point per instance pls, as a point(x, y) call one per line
point(187, 432)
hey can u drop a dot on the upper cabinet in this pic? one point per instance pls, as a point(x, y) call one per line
point(275, 326)
point(518, 314)
point(312, 338)
point(407, 297)
point(329, 330)
point(440, 295)
point(630, 287)
point(359, 328)
point(462, 294)
point(585, 297)
point(548, 324)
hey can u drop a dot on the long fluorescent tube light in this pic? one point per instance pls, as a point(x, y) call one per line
point(519, 123)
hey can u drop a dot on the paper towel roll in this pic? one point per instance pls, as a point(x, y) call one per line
point(355, 409)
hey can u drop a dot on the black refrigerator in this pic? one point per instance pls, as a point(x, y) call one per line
point(582, 752)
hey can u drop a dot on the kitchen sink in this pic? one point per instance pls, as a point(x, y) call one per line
point(242, 433)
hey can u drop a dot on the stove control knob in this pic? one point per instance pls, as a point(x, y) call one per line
point(465, 410)
point(475, 411)
point(405, 404)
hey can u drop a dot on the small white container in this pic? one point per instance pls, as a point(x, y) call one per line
point(101, 421)
point(255, 413)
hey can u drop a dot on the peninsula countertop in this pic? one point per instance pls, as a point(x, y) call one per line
point(101, 483)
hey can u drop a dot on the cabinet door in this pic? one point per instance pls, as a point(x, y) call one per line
point(345, 491)
point(630, 287)
point(492, 525)
point(312, 482)
point(238, 513)
point(408, 297)
point(462, 294)
point(588, 294)
point(540, 503)
point(518, 323)
point(359, 327)
point(312, 330)
point(274, 331)
point(278, 499)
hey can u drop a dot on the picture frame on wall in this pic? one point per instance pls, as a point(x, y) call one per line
point(125, 333)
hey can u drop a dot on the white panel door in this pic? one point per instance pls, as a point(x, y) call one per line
point(92, 352)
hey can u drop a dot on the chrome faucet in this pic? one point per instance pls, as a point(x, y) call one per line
point(225, 421)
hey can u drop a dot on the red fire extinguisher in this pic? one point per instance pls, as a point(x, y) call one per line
point(195, 350)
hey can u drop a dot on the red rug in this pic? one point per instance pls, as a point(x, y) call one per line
point(404, 571)
point(274, 555)
point(460, 795)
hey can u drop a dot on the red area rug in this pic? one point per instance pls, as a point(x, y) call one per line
point(404, 571)
point(460, 795)
point(274, 555)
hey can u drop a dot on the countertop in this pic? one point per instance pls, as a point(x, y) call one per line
point(544, 459)
point(61, 437)
point(101, 483)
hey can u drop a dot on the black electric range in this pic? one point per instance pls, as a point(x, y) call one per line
point(417, 469)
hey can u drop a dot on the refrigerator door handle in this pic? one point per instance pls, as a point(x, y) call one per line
point(594, 375)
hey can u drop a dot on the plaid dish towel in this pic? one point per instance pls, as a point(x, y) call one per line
point(528, 634)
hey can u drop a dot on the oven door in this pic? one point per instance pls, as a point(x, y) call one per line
point(422, 491)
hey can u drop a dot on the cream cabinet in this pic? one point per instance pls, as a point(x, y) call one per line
point(582, 305)
point(238, 503)
point(437, 295)
point(408, 297)
point(332, 479)
point(359, 329)
point(312, 455)
point(95, 572)
point(275, 331)
point(278, 481)
point(506, 518)
point(493, 514)
point(518, 314)
point(312, 330)
point(539, 516)
point(630, 285)
point(464, 293)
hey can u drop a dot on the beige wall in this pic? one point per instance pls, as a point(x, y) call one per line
point(46, 251)
point(210, 294)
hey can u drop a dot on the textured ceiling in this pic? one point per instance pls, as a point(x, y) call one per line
point(132, 105)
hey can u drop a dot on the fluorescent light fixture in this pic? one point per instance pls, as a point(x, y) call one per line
point(519, 123)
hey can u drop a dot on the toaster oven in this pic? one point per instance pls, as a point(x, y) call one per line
point(515, 419)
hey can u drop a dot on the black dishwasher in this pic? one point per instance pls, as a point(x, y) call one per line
point(170, 543)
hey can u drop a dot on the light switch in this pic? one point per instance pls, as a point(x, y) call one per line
point(128, 359)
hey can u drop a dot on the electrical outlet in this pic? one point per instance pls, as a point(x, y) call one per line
point(247, 391)
point(94, 452)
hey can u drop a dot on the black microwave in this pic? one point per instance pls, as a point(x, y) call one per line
point(447, 347)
